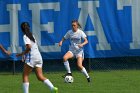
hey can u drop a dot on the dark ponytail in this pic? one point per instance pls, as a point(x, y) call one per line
point(26, 30)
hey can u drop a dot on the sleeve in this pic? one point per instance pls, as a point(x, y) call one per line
point(83, 35)
point(26, 40)
point(67, 35)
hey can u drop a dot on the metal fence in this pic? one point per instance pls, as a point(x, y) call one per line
point(119, 63)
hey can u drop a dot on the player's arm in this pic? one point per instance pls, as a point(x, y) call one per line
point(4, 50)
point(60, 43)
point(27, 50)
point(64, 38)
point(84, 43)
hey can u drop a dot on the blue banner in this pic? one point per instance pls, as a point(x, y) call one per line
point(112, 26)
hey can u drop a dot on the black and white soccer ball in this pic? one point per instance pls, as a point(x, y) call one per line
point(69, 79)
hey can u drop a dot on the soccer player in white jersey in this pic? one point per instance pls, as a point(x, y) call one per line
point(4, 50)
point(76, 48)
point(33, 59)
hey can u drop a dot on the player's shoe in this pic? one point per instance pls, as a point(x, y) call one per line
point(88, 79)
point(67, 74)
point(54, 90)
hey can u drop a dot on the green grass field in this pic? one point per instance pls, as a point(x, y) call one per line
point(119, 81)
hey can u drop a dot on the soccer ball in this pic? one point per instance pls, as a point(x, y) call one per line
point(69, 79)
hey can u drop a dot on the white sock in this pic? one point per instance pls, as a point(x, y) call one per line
point(48, 83)
point(85, 72)
point(67, 66)
point(26, 87)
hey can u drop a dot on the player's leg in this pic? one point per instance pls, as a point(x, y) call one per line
point(26, 71)
point(82, 68)
point(67, 56)
point(46, 81)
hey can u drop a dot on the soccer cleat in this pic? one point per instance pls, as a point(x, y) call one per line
point(55, 90)
point(67, 74)
point(88, 79)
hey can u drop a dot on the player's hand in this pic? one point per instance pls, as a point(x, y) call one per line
point(60, 43)
point(8, 53)
point(80, 45)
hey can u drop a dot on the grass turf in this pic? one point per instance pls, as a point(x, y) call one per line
point(119, 81)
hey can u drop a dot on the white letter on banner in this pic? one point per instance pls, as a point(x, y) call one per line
point(135, 44)
point(37, 27)
point(89, 8)
point(13, 27)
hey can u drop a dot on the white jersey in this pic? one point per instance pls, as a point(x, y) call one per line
point(75, 39)
point(33, 57)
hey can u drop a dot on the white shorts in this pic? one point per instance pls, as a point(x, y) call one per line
point(77, 54)
point(34, 62)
